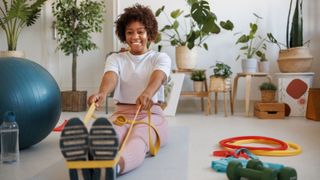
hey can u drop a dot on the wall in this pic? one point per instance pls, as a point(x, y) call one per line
point(39, 45)
point(222, 46)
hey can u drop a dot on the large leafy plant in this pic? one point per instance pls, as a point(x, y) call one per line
point(202, 24)
point(75, 22)
point(254, 44)
point(16, 15)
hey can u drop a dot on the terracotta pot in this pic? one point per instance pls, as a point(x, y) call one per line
point(219, 84)
point(298, 59)
point(186, 58)
point(18, 54)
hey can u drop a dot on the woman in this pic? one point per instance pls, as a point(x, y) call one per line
point(137, 77)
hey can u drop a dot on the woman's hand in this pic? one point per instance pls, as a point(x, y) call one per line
point(98, 98)
point(145, 100)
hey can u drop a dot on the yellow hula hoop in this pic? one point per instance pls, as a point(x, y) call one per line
point(294, 149)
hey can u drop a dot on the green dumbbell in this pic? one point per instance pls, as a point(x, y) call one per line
point(285, 173)
point(235, 171)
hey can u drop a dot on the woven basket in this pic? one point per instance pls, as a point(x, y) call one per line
point(292, 60)
point(18, 54)
point(268, 95)
point(74, 101)
point(219, 84)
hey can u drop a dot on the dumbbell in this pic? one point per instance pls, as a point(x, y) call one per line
point(235, 171)
point(285, 173)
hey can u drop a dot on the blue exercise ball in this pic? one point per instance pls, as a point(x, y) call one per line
point(33, 95)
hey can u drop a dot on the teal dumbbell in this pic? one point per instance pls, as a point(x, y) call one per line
point(285, 173)
point(235, 171)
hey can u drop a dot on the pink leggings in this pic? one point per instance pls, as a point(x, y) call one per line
point(137, 145)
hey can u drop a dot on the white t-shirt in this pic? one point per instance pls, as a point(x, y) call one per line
point(134, 72)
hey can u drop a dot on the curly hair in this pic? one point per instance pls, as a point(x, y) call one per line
point(139, 13)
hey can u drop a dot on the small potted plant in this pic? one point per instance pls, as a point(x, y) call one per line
point(268, 92)
point(198, 77)
point(220, 79)
point(199, 23)
point(252, 46)
point(75, 22)
point(263, 64)
point(14, 17)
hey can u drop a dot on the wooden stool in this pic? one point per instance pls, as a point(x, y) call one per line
point(248, 77)
point(224, 101)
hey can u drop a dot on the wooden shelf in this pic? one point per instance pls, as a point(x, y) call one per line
point(202, 95)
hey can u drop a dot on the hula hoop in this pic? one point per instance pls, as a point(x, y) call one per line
point(231, 143)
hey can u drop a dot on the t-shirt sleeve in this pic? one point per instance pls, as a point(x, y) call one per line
point(163, 63)
point(111, 64)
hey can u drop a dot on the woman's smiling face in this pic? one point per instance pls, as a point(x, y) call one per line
point(136, 38)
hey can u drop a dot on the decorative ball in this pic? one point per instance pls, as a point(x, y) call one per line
point(33, 95)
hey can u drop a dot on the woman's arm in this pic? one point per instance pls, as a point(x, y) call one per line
point(108, 83)
point(157, 78)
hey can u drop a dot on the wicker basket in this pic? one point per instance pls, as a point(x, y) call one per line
point(219, 84)
point(268, 95)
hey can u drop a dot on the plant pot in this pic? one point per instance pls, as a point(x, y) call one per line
point(292, 60)
point(186, 58)
point(249, 65)
point(74, 101)
point(268, 95)
point(313, 105)
point(263, 66)
point(18, 54)
point(219, 84)
point(198, 86)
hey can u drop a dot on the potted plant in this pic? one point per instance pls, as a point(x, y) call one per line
point(198, 77)
point(15, 15)
point(253, 46)
point(263, 63)
point(220, 79)
point(268, 92)
point(201, 24)
point(75, 22)
point(296, 57)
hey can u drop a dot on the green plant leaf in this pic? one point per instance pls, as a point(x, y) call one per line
point(205, 45)
point(243, 39)
point(228, 25)
point(159, 11)
point(200, 11)
point(176, 13)
point(296, 33)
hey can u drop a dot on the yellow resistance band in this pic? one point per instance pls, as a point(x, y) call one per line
point(295, 148)
point(112, 163)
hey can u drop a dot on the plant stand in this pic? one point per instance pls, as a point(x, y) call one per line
point(248, 77)
point(74, 101)
point(202, 95)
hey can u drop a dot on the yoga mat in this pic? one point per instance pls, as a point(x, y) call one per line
point(171, 163)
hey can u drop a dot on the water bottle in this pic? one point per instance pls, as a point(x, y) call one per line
point(9, 133)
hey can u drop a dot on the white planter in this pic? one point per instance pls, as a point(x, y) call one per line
point(198, 86)
point(249, 65)
point(186, 58)
point(264, 66)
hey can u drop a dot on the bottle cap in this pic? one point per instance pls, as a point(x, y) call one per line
point(9, 116)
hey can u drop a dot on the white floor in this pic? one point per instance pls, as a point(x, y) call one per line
point(204, 134)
